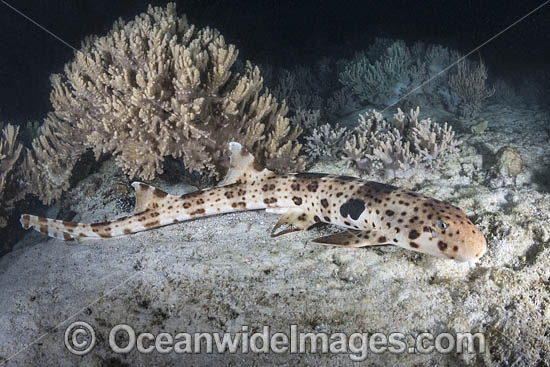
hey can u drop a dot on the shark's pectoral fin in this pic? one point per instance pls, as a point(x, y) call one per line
point(349, 238)
point(293, 220)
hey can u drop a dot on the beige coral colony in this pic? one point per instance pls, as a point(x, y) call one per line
point(153, 87)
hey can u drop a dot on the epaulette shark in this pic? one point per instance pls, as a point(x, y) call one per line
point(372, 213)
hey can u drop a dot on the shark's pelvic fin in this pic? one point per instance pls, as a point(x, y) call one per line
point(293, 220)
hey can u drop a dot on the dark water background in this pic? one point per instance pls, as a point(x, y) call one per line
point(281, 33)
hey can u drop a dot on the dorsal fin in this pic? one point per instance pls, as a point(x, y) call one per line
point(242, 164)
point(146, 196)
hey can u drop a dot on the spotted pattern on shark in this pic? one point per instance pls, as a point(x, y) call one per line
point(371, 213)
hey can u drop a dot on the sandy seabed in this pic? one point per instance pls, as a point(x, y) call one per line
point(225, 273)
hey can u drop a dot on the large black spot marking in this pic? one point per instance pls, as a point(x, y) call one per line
point(353, 208)
point(267, 187)
point(313, 186)
point(413, 235)
point(297, 200)
point(270, 201)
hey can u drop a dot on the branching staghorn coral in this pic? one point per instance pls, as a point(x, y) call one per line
point(54, 153)
point(390, 71)
point(470, 83)
point(157, 87)
point(11, 161)
point(299, 87)
point(322, 140)
point(341, 102)
point(306, 119)
point(326, 142)
point(398, 147)
point(378, 80)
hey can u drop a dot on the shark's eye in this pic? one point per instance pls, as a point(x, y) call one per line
point(441, 225)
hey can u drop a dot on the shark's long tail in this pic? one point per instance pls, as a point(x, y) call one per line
point(64, 230)
point(156, 208)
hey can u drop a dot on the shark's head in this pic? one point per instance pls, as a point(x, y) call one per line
point(445, 231)
point(415, 222)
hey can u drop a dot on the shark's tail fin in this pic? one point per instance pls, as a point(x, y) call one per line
point(148, 200)
point(55, 228)
point(243, 166)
